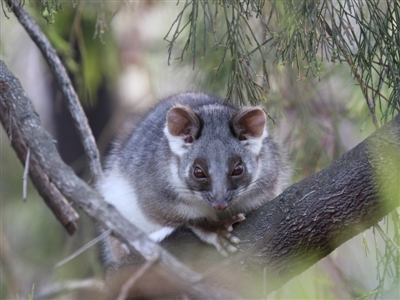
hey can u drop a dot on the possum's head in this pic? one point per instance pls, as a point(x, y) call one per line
point(218, 149)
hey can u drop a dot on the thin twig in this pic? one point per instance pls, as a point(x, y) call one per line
point(128, 285)
point(262, 44)
point(4, 11)
point(60, 288)
point(378, 93)
point(386, 237)
point(83, 248)
point(65, 85)
point(177, 31)
point(9, 132)
point(25, 175)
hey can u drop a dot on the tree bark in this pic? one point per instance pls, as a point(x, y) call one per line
point(279, 241)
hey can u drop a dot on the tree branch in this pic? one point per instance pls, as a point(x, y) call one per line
point(65, 85)
point(60, 207)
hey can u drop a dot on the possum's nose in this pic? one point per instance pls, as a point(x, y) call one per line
point(220, 205)
point(219, 199)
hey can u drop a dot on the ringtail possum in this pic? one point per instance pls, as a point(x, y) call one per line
point(193, 161)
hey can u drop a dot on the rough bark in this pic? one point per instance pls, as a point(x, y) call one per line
point(57, 203)
point(280, 240)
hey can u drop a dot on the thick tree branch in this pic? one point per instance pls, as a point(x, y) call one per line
point(65, 85)
point(60, 207)
point(28, 132)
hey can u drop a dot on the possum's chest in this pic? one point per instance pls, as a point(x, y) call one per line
point(118, 192)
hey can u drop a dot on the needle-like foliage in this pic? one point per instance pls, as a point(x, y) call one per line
point(362, 34)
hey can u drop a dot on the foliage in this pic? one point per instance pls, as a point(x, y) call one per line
point(89, 54)
point(81, 41)
point(362, 34)
point(231, 36)
point(31, 295)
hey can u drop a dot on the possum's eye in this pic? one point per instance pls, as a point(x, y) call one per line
point(237, 170)
point(198, 173)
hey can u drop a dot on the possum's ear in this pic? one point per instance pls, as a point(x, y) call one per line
point(249, 122)
point(182, 128)
point(183, 122)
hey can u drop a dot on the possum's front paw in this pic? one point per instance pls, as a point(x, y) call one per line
point(220, 234)
point(225, 241)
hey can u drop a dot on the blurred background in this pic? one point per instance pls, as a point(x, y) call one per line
point(119, 61)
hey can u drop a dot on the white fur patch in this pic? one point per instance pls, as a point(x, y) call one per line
point(213, 107)
point(117, 191)
point(255, 144)
point(159, 235)
point(176, 143)
point(174, 178)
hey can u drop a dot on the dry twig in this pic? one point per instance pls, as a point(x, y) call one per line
point(65, 85)
point(84, 248)
point(60, 288)
point(25, 175)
